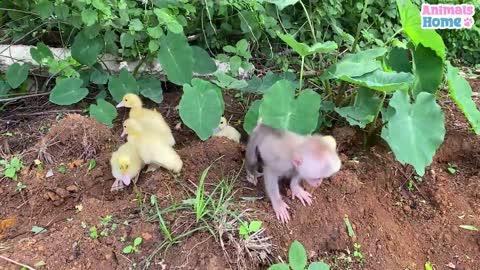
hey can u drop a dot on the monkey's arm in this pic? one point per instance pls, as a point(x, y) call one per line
point(299, 192)
point(273, 193)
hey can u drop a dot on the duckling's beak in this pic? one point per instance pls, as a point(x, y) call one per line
point(121, 104)
point(124, 132)
point(126, 179)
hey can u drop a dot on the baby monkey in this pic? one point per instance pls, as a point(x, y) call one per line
point(286, 154)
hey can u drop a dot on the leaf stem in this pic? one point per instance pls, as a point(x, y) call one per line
point(309, 21)
point(301, 74)
point(373, 125)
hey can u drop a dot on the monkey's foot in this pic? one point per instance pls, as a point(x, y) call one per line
point(252, 179)
point(281, 211)
point(302, 195)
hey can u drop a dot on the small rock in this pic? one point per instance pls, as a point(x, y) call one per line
point(109, 255)
point(407, 209)
point(146, 236)
point(447, 237)
point(52, 196)
point(72, 188)
point(455, 230)
point(62, 192)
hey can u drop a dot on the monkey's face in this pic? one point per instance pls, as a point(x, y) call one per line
point(313, 168)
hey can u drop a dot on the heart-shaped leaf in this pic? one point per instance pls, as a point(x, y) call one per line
point(353, 65)
point(280, 109)
point(176, 58)
point(461, 93)
point(363, 110)
point(303, 49)
point(151, 88)
point(382, 81)
point(86, 50)
point(415, 131)
point(121, 85)
point(251, 116)
point(411, 24)
point(137, 241)
point(297, 256)
point(136, 25)
point(68, 91)
point(103, 112)
point(16, 74)
point(428, 70)
point(165, 17)
point(202, 62)
point(318, 266)
point(261, 85)
point(43, 8)
point(255, 226)
point(201, 107)
point(155, 32)
point(40, 52)
point(126, 40)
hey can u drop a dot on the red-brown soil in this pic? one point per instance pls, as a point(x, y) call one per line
point(397, 228)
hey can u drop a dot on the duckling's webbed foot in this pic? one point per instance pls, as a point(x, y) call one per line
point(152, 167)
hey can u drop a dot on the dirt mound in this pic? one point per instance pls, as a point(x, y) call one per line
point(74, 137)
point(225, 156)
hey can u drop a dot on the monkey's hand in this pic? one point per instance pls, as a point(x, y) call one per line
point(281, 211)
point(302, 195)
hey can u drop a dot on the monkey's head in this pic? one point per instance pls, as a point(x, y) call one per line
point(130, 101)
point(316, 159)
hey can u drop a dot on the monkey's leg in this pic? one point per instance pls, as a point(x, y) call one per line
point(299, 192)
point(273, 192)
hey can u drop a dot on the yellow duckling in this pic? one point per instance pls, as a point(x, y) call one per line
point(151, 150)
point(126, 164)
point(225, 130)
point(149, 119)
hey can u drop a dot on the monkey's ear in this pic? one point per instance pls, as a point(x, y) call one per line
point(330, 141)
point(297, 160)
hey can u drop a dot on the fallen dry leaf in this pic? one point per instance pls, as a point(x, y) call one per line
point(75, 163)
point(7, 223)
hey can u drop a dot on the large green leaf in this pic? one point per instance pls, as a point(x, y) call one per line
point(280, 109)
point(281, 4)
point(68, 91)
point(40, 52)
point(226, 82)
point(353, 65)
point(382, 81)
point(86, 50)
point(99, 76)
point(363, 110)
point(279, 266)
point(121, 85)
point(151, 88)
point(415, 131)
point(103, 112)
point(428, 70)
point(202, 62)
point(16, 74)
point(251, 116)
point(89, 17)
point(303, 49)
point(461, 92)
point(411, 24)
point(44, 8)
point(297, 256)
point(201, 107)
point(165, 17)
point(176, 58)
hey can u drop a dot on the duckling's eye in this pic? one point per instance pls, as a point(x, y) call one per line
point(126, 99)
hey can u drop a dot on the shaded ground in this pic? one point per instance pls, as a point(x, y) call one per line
point(397, 227)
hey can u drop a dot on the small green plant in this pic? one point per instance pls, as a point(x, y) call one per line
point(93, 232)
point(162, 224)
point(240, 57)
point(246, 229)
point(452, 168)
point(133, 248)
point(428, 265)
point(297, 260)
point(20, 186)
point(106, 220)
point(469, 227)
point(92, 163)
point(410, 185)
point(357, 253)
point(62, 169)
point(12, 167)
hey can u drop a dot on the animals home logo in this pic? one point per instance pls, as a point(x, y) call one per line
point(444, 16)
